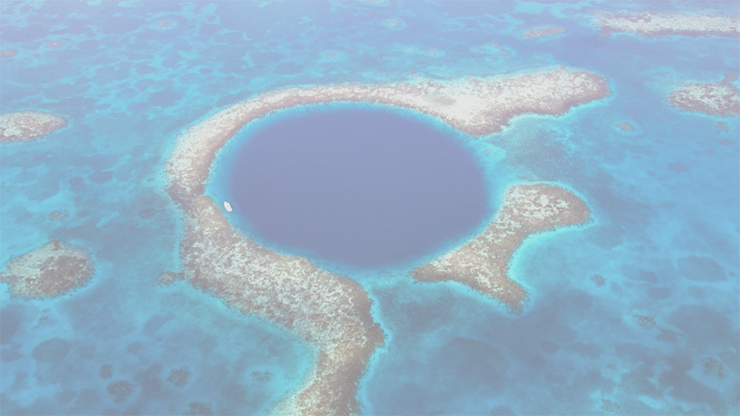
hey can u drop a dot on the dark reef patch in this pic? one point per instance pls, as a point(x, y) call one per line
point(701, 269)
point(11, 318)
point(475, 362)
point(51, 351)
point(703, 325)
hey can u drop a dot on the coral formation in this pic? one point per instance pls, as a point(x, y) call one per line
point(667, 335)
point(198, 409)
point(24, 126)
point(653, 25)
point(261, 376)
point(598, 280)
point(106, 371)
point(544, 32)
point(645, 321)
point(120, 390)
point(168, 278)
point(483, 263)
point(330, 311)
point(714, 367)
point(51, 270)
point(179, 376)
point(609, 406)
point(626, 127)
point(57, 215)
point(717, 98)
point(476, 106)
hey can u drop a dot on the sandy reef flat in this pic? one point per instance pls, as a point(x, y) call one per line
point(656, 25)
point(716, 98)
point(330, 311)
point(483, 263)
point(52, 270)
point(25, 126)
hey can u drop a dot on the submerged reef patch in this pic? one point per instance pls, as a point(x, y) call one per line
point(544, 32)
point(626, 127)
point(52, 270)
point(8, 53)
point(198, 409)
point(483, 263)
point(120, 390)
point(655, 25)
point(25, 126)
point(717, 98)
point(179, 376)
point(330, 311)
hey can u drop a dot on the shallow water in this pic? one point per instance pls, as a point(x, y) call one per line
point(128, 87)
point(368, 188)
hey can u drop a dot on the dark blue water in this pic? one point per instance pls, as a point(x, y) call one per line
point(359, 187)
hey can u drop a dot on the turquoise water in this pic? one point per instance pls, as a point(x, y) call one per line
point(128, 87)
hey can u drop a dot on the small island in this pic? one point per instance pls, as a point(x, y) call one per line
point(658, 25)
point(52, 270)
point(717, 98)
point(483, 263)
point(25, 126)
point(330, 311)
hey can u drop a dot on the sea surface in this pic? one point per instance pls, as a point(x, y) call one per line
point(356, 185)
point(665, 233)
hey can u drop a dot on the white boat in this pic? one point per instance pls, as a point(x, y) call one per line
point(227, 206)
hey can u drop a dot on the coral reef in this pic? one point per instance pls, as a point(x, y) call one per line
point(168, 278)
point(106, 371)
point(483, 263)
point(717, 98)
point(609, 406)
point(645, 321)
point(179, 376)
point(667, 335)
point(120, 390)
point(51, 270)
point(24, 126)
point(57, 215)
point(45, 319)
point(198, 409)
point(330, 311)
point(598, 280)
point(261, 376)
point(626, 127)
point(544, 32)
point(654, 25)
point(714, 367)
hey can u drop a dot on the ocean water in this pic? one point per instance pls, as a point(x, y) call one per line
point(361, 186)
point(664, 200)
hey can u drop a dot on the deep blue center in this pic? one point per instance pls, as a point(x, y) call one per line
point(367, 188)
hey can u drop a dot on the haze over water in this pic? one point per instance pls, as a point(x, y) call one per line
point(357, 186)
point(664, 201)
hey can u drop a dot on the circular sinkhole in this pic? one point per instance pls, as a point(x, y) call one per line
point(355, 186)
